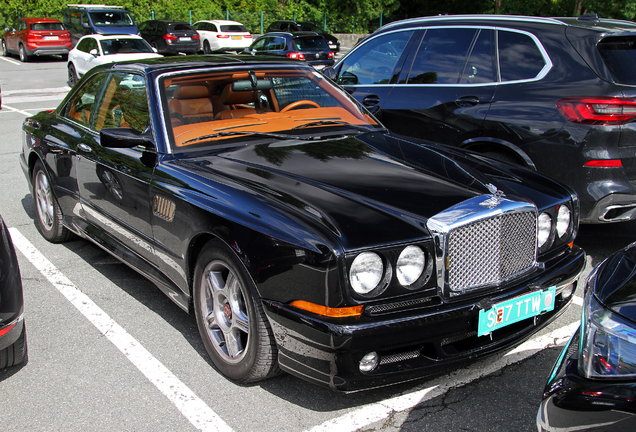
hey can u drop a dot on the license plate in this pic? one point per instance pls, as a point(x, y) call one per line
point(237, 37)
point(185, 39)
point(51, 37)
point(515, 310)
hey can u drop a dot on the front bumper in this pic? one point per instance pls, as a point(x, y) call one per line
point(573, 402)
point(413, 343)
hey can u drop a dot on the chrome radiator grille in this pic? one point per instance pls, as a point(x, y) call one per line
point(489, 251)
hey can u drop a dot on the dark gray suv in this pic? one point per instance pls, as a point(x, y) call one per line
point(557, 95)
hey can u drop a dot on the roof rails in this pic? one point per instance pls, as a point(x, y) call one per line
point(99, 6)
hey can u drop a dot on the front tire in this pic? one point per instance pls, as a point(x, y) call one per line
point(5, 52)
point(230, 317)
point(48, 213)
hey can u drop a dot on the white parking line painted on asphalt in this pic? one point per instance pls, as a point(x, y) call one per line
point(63, 89)
point(35, 95)
point(379, 411)
point(11, 60)
point(16, 110)
point(188, 403)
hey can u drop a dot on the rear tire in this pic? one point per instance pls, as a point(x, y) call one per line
point(48, 213)
point(72, 75)
point(206, 47)
point(230, 317)
point(24, 57)
point(15, 354)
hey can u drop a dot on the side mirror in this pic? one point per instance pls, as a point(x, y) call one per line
point(155, 50)
point(94, 52)
point(124, 137)
point(330, 73)
point(86, 25)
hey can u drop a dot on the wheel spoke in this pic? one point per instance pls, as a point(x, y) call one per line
point(233, 343)
point(240, 322)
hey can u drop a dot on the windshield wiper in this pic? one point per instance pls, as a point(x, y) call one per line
point(332, 122)
point(226, 134)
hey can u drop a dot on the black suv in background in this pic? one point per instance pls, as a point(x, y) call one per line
point(171, 37)
point(304, 26)
point(554, 94)
point(307, 46)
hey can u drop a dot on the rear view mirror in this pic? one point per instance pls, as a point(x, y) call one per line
point(247, 85)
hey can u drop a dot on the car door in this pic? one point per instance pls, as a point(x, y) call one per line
point(73, 122)
point(371, 70)
point(114, 182)
point(80, 56)
point(446, 86)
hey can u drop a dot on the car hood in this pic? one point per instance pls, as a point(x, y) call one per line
point(616, 282)
point(359, 188)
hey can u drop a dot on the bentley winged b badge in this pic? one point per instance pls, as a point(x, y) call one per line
point(495, 198)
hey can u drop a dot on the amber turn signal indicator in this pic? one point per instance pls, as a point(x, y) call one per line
point(328, 311)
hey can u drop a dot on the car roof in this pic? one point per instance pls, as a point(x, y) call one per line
point(40, 20)
point(221, 22)
point(590, 21)
point(184, 63)
point(112, 36)
point(293, 35)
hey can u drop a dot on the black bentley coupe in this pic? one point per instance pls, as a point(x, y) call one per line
point(303, 235)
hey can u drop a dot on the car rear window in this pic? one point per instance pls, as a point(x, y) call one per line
point(179, 27)
point(312, 43)
point(619, 54)
point(233, 29)
point(49, 26)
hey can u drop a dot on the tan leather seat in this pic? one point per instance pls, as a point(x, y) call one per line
point(192, 104)
point(233, 98)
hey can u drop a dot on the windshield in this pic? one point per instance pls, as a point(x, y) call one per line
point(48, 26)
point(112, 19)
point(207, 108)
point(308, 26)
point(125, 46)
point(233, 28)
point(310, 43)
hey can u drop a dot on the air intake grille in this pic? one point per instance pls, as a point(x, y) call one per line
point(491, 250)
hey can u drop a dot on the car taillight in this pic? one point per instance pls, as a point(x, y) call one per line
point(597, 111)
point(247, 36)
point(196, 37)
point(170, 37)
point(604, 163)
point(222, 36)
point(296, 56)
point(330, 55)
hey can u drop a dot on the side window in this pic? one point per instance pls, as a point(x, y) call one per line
point(375, 61)
point(275, 44)
point(21, 25)
point(124, 103)
point(259, 45)
point(519, 56)
point(480, 65)
point(441, 56)
point(92, 44)
point(81, 108)
point(85, 18)
point(84, 44)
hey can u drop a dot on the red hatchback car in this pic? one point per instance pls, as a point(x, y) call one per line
point(36, 37)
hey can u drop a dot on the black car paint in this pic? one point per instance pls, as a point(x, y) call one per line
point(520, 121)
point(572, 401)
point(295, 216)
point(153, 32)
point(12, 329)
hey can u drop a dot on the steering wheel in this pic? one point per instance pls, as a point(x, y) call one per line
point(296, 104)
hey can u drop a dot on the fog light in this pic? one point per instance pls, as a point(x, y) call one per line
point(369, 362)
point(568, 291)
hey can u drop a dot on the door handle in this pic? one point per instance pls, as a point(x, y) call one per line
point(371, 100)
point(85, 148)
point(467, 101)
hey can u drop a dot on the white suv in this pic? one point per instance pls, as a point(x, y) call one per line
point(222, 35)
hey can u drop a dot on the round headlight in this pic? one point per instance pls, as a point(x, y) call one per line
point(563, 220)
point(545, 227)
point(366, 272)
point(410, 265)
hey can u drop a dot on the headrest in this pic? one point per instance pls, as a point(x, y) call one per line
point(192, 92)
point(231, 97)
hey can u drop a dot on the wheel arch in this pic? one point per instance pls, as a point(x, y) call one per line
point(485, 145)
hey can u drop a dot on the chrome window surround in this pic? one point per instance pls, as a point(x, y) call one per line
point(468, 215)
